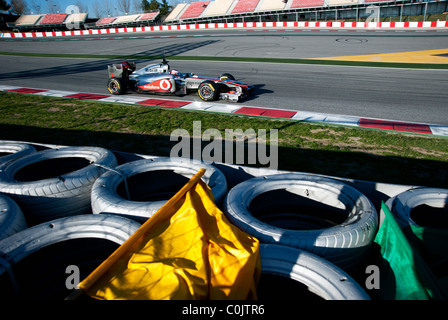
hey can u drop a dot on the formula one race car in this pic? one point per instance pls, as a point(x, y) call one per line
point(160, 79)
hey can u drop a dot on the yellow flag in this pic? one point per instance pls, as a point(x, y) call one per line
point(187, 250)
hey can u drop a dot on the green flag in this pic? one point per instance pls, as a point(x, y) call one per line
point(405, 275)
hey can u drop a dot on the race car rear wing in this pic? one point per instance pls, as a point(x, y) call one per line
point(121, 69)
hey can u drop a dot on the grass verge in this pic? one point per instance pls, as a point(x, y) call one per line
point(347, 152)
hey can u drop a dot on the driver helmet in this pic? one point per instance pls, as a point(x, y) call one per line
point(174, 72)
point(165, 68)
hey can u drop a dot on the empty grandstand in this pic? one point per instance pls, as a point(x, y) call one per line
point(194, 10)
point(306, 4)
point(76, 19)
point(27, 21)
point(48, 22)
point(245, 6)
point(217, 8)
point(176, 12)
point(134, 20)
point(53, 19)
point(300, 10)
point(64, 21)
point(105, 21)
point(271, 5)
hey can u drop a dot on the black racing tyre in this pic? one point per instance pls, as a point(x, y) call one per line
point(34, 261)
point(149, 184)
point(226, 76)
point(56, 182)
point(208, 91)
point(10, 150)
point(12, 219)
point(427, 207)
point(317, 214)
point(292, 274)
point(116, 86)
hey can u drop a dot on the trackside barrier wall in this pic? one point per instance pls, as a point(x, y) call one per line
point(236, 25)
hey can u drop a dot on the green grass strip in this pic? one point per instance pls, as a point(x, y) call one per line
point(235, 59)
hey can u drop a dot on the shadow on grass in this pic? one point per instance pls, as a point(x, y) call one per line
point(351, 165)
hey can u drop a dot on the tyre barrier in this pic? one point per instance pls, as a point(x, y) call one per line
point(12, 219)
point(33, 262)
point(56, 182)
point(301, 275)
point(14, 150)
point(320, 215)
point(427, 207)
point(139, 188)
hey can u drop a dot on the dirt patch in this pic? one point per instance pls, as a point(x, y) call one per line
point(327, 131)
point(430, 152)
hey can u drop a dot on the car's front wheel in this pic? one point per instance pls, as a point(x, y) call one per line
point(116, 86)
point(208, 91)
point(226, 76)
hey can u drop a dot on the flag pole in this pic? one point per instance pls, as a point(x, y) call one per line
point(91, 279)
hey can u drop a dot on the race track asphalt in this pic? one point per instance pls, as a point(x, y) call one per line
point(386, 93)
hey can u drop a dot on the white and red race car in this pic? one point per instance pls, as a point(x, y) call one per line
point(161, 79)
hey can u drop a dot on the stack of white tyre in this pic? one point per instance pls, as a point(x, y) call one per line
point(36, 262)
point(54, 183)
point(156, 181)
point(404, 206)
point(343, 235)
point(50, 195)
point(10, 150)
point(12, 219)
point(319, 278)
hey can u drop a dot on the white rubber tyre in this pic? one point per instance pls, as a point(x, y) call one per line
point(344, 242)
point(106, 198)
point(322, 278)
point(403, 204)
point(34, 262)
point(12, 219)
point(56, 182)
point(14, 150)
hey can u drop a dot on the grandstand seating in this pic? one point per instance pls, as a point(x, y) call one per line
point(268, 5)
point(28, 20)
point(218, 8)
point(194, 10)
point(306, 3)
point(176, 11)
point(105, 21)
point(55, 18)
point(76, 18)
point(148, 16)
point(206, 9)
point(58, 21)
point(132, 20)
point(126, 19)
point(342, 2)
point(244, 6)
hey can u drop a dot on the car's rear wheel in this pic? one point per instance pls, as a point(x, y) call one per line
point(208, 91)
point(116, 86)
